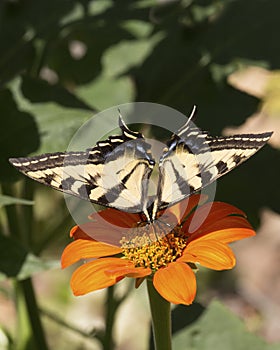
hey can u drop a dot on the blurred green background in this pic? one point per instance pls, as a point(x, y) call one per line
point(62, 61)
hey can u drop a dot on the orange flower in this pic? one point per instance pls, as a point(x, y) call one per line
point(168, 250)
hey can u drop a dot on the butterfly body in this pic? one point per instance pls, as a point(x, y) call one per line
point(116, 172)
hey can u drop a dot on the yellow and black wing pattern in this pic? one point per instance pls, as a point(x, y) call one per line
point(112, 173)
point(193, 159)
point(116, 172)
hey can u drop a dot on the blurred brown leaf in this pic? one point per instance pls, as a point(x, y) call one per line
point(263, 84)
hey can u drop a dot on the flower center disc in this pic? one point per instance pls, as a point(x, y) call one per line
point(153, 245)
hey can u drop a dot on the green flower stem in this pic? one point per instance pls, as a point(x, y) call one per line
point(23, 329)
point(111, 307)
point(26, 288)
point(161, 318)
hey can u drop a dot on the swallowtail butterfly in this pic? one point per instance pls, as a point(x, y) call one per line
point(115, 172)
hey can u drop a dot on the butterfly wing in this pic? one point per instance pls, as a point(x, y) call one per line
point(114, 173)
point(193, 160)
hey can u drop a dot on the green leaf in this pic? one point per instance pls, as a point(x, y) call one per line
point(105, 92)
point(56, 123)
point(107, 57)
point(33, 265)
point(118, 59)
point(112, 87)
point(139, 29)
point(219, 329)
point(17, 262)
point(7, 200)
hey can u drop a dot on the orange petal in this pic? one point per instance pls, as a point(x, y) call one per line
point(92, 275)
point(211, 212)
point(76, 232)
point(116, 217)
point(86, 249)
point(179, 211)
point(218, 216)
point(176, 283)
point(130, 271)
point(226, 230)
point(209, 253)
point(101, 231)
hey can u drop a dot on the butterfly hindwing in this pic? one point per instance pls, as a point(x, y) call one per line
point(108, 174)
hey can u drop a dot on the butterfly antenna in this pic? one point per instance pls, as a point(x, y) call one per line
point(122, 124)
point(186, 125)
point(121, 121)
point(192, 113)
point(126, 131)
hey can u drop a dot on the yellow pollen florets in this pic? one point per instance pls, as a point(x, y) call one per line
point(153, 245)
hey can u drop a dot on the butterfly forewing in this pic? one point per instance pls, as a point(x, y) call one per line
point(193, 159)
point(188, 166)
point(108, 174)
